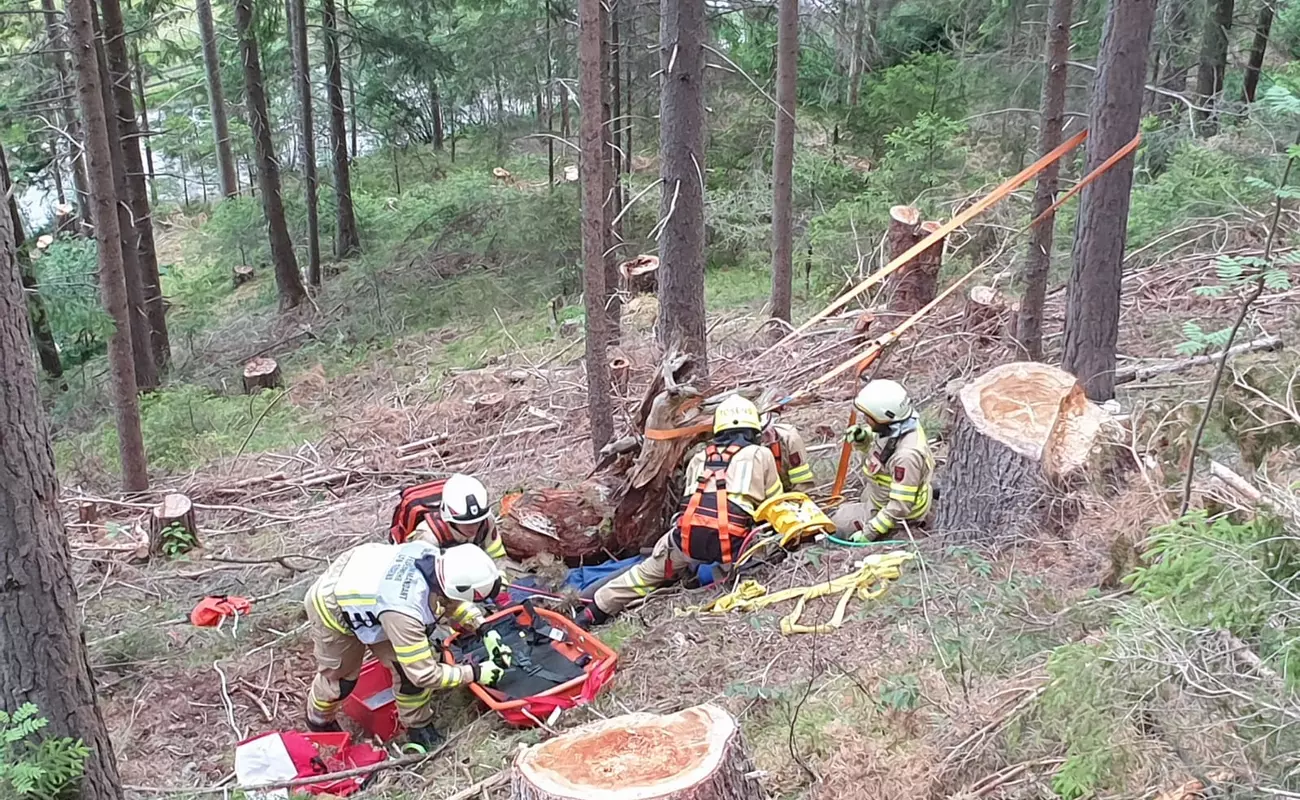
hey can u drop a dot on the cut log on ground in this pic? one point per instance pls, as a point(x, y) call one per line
point(172, 529)
point(1025, 441)
point(916, 283)
point(1146, 373)
point(261, 373)
point(696, 754)
point(565, 523)
point(640, 275)
point(989, 314)
point(243, 275)
point(620, 372)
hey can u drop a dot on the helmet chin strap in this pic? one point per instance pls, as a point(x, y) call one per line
point(896, 429)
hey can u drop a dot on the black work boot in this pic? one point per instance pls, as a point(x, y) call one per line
point(590, 616)
point(425, 738)
point(331, 726)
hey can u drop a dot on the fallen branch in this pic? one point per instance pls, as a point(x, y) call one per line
point(1130, 374)
point(482, 786)
point(467, 446)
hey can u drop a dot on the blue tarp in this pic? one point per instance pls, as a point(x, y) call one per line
point(580, 578)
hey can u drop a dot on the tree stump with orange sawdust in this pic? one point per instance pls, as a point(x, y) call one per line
point(1025, 442)
point(696, 754)
point(565, 523)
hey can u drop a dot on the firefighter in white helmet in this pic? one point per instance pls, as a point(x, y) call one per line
point(899, 465)
point(385, 598)
point(725, 485)
point(447, 512)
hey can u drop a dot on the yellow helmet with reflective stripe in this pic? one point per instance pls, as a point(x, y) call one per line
point(735, 413)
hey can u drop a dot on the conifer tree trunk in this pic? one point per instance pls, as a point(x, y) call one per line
point(550, 104)
point(787, 69)
point(287, 280)
point(1213, 63)
point(71, 122)
point(436, 102)
point(139, 236)
point(1038, 261)
point(681, 323)
point(145, 131)
point(856, 59)
point(594, 173)
point(347, 239)
point(1092, 308)
point(108, 237)
point(609, 156)
point(226, 167)
point(42, 335)
point(1263, 26)
point(43, 657)
point(302, 76)
point(1176, 57)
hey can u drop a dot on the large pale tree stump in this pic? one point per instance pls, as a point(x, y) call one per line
point(1025, 442)
point(172, 528)
point(243, 275)
point(261, 373)
point(696, 754)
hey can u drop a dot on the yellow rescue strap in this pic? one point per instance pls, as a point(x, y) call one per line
point(869, 581)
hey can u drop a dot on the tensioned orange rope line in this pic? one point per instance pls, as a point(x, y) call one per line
point(1090, 177)
point(984, 203)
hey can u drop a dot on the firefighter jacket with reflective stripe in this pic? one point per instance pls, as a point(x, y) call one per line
point(418, 517)
point(790, 453)
point(898, 470)
point(710, 529)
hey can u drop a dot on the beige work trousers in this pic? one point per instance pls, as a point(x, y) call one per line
point(666, 564)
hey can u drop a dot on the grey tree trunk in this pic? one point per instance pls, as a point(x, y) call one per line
point(436, 101)
point(1213, 63)
point(42, 335)
point(108, 237)
point(287, 280)
point(1092, 309)
point(71, 122)
point(139, 234)
point(681, 324)
point(609, 153)
point(217, 100)
point(42, 651)
point(787, 69)
point(1263, 26)
point(302, 76)
point(594, 173)
point(1038, 260)
point(347, 239)
point(145, 132)
point(1176, 56)
point(857, 55)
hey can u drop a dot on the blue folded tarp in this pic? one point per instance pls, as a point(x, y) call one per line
point(580, 578)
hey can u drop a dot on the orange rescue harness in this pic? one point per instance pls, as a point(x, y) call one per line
point(709, 508)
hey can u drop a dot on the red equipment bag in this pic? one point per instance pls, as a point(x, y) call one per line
point(282, 756)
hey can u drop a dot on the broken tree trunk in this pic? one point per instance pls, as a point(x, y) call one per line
point(565, 523)
point(620, 372)
point(1025, 440)
point(261, 373)
point(696, 754)
point(916, 283)
point(172, 529)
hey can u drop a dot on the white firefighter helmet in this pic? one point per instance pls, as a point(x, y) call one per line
point(464, 500)
point(884, 402)
point(735, 413)
point(467, 573)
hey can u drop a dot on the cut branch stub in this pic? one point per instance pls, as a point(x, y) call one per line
point(172, 528)
point(640, 275)
point(261, 373)
point(243, 275)
point(696, 754)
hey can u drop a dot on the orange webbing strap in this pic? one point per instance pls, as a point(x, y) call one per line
point(984, 204)
point(846, 456)
point(1090, 177)
point(724, 519)
point(662, 435)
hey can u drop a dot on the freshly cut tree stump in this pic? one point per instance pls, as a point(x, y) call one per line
point(990, 314)
point(243, 275)
point(620, 372)
point(261, 373)
point(640, 275)
point(916, 283)
point(489, 405)
point(565, 523)
point(696, 754)
point(1025, 442)
point(88, 514)
point(904, 229)
point(176, 513)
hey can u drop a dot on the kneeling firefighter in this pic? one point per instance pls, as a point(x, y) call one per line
point(385, 599)
point(899, 465)
point(447, 512)
point(725, 485)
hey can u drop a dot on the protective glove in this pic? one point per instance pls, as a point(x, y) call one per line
point(499, 653)
point(487, 673)
point(858, 434)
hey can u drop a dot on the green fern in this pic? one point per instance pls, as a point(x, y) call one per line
point(34, 767)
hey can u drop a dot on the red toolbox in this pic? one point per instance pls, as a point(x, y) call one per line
point(372, 704)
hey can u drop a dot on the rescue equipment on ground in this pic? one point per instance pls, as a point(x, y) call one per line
point(372, 703)
point(554, 664)
point(868, 581)
point(213, 610)
point(282, 756)
point(794, 516)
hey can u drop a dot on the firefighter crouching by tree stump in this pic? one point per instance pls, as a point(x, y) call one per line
point(447, 512)
point(384, 599)
point(790, 453)
point(899, 465)
point(725, 485)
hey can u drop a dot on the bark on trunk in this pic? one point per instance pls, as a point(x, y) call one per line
point(856, 56)
point(696, 754)
point(437, 115)
point(42, 651)
point(1213, 63)
point(108, 236)
point(217, 100)
point(594, 169)
point(139, 236)
point(1038, 259)
point(146, 134)
point(347, 239)
point(609, 154)
point(1176, 57)
point(550, 105)
point(681, 323)
point(42, 335)
point(302, 73)
point(1092, 313)
point(287, 279)
point(787, 68)
point(1025, 440)
point(565, 523)
point(913, 286)
point(1263, 26)
point(146, 374)
point(171, 518)
point(71, 123)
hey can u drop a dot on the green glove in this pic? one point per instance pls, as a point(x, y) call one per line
point(498, 652)
point(858, 434)
point(487, 673)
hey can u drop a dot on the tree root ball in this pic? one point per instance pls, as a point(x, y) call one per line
point(696, 754)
